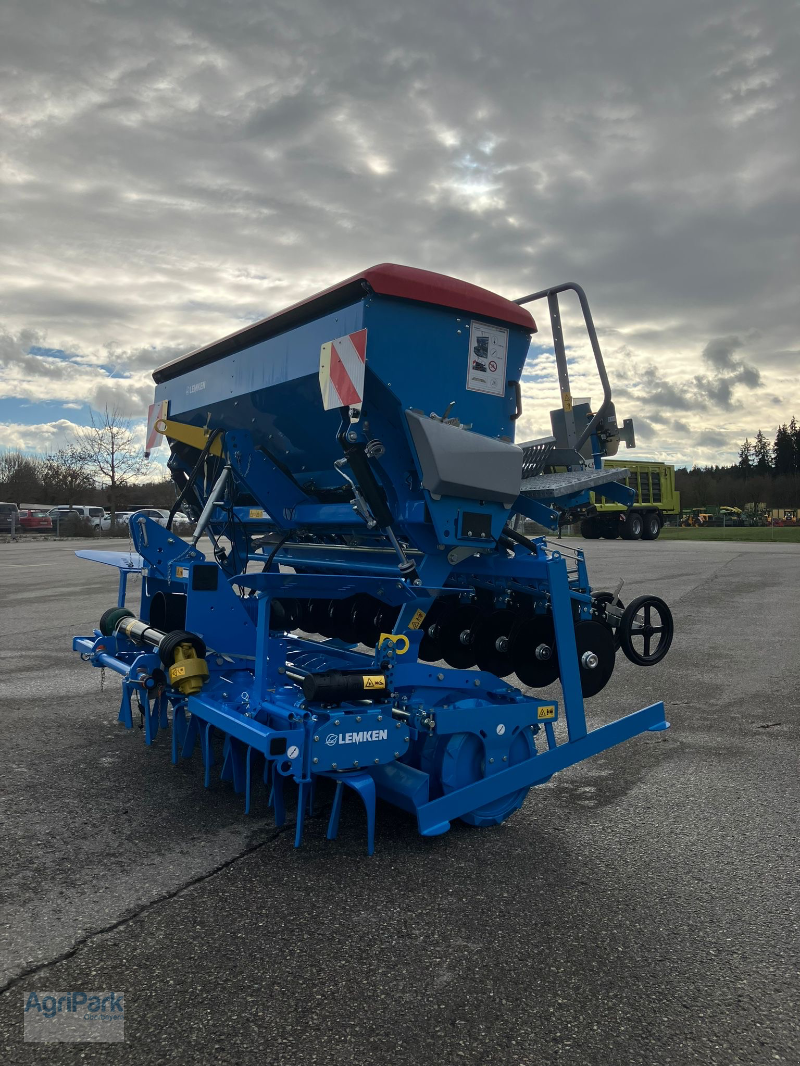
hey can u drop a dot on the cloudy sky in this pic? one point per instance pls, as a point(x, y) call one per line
point(175, 169)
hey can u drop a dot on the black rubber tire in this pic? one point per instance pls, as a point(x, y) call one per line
point(652, 526)
point(590, 530)
point(110, 619)
point(166, 649)
point(632, 527)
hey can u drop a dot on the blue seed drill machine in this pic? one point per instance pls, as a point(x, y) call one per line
point(352, 461)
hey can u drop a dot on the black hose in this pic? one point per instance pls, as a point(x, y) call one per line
point(194, 472)
point(518, 538)
point(271, 557)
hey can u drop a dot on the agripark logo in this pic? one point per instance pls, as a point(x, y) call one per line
point(74, 1017)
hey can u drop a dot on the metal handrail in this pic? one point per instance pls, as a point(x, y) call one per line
point(552, 300)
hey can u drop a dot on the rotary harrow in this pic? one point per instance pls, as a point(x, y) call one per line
point(371, 610)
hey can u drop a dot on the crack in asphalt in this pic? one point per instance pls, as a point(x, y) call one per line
point(132, 915)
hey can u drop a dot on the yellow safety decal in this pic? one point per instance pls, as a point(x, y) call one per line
point(374, 681)
point(178, 671)
point(547, 712)
point(566, 400)
point(401, 642)
point(417, 620)
point(256, 512)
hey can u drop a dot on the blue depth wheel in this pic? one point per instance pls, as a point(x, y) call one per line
point(459, 759)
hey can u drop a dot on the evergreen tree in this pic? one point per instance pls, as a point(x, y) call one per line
point(783, 450)
point(761, 454)
point(746, 458)
point(794, 433)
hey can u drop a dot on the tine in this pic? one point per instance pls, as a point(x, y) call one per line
point(336, 810)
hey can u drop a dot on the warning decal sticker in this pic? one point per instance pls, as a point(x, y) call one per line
point(374, 681)
point(341, 370)
point(486, 363)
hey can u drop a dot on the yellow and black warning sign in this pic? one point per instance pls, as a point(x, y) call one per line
point(373, 681)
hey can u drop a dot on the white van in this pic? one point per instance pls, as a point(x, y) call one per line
point(96, 515)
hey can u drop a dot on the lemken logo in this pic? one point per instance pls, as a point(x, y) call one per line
point(197, 387)
point(356, 738)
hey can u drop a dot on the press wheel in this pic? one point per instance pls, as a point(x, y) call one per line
point(459, 759)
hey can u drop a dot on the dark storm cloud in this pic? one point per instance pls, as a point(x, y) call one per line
point(173, 170)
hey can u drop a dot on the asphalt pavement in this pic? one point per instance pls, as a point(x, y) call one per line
point(642, 907)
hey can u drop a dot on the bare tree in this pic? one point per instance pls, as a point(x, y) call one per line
point(112, 454)
point(65, 475)
point(20, 477)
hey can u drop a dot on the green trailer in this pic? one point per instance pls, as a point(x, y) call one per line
point(656, 497)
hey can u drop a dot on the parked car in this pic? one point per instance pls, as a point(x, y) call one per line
point(64, 512)
point(35, 520)
point(155, 513)
point(9, 518)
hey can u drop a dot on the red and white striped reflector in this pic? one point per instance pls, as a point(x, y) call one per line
point(155, 412)
point(341, 370)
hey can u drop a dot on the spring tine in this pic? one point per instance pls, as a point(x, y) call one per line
point(277, 798)
point(162, 708)
point(125, 711)
point(148, 724)
point(248, 762)
point(190, 736)
point(302, 790)
point(208, 755)
point(336, 810)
